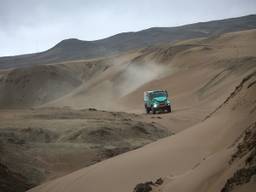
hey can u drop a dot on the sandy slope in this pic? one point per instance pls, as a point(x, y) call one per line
point(193, 160)
point(215, 78)
point(199, 74)
point(212, 87)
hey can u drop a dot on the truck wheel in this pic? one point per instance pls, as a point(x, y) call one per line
point(147, 110)
point(154, 111)
point(169, 109)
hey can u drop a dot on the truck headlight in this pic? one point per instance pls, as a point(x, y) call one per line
point(155, 105)
point(168, 102)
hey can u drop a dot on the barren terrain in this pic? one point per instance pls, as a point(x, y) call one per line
point(80, 125)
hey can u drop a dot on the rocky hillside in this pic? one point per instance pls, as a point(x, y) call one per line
point(43, 144)
point(11, 181)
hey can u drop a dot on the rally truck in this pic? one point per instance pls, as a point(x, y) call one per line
point(157, 100)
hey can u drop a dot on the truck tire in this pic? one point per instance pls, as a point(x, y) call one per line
point(153, 110)
point(147, 110)
point(169, 109)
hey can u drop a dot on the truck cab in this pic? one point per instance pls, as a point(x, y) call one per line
point(157, 100)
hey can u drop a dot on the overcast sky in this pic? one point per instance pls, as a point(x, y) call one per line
point(28, 26)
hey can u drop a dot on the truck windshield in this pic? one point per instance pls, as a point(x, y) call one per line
point(158, 94)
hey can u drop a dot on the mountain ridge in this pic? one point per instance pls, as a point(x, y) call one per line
point(75, 49)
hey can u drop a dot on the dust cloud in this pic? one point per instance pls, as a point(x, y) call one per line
point(106, 90)
point(136, 75)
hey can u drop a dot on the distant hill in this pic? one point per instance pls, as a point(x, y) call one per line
point(73, 49)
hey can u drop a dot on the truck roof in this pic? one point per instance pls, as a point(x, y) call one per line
point(154, 91)
point(146, 93)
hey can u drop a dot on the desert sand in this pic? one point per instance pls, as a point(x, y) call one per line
point(214, 82)
point(207, 142)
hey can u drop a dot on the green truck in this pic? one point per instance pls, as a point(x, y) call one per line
point(157, 100)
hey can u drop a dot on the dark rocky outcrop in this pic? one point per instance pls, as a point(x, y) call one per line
point(247, 147)
point(147, 186)
point(12, 182)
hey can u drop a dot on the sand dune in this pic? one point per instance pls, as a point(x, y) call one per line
point(179, 74)
point(217, 89)
point(197, 74)
point(211, 83)
point(193, 160)
point(40, 84)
